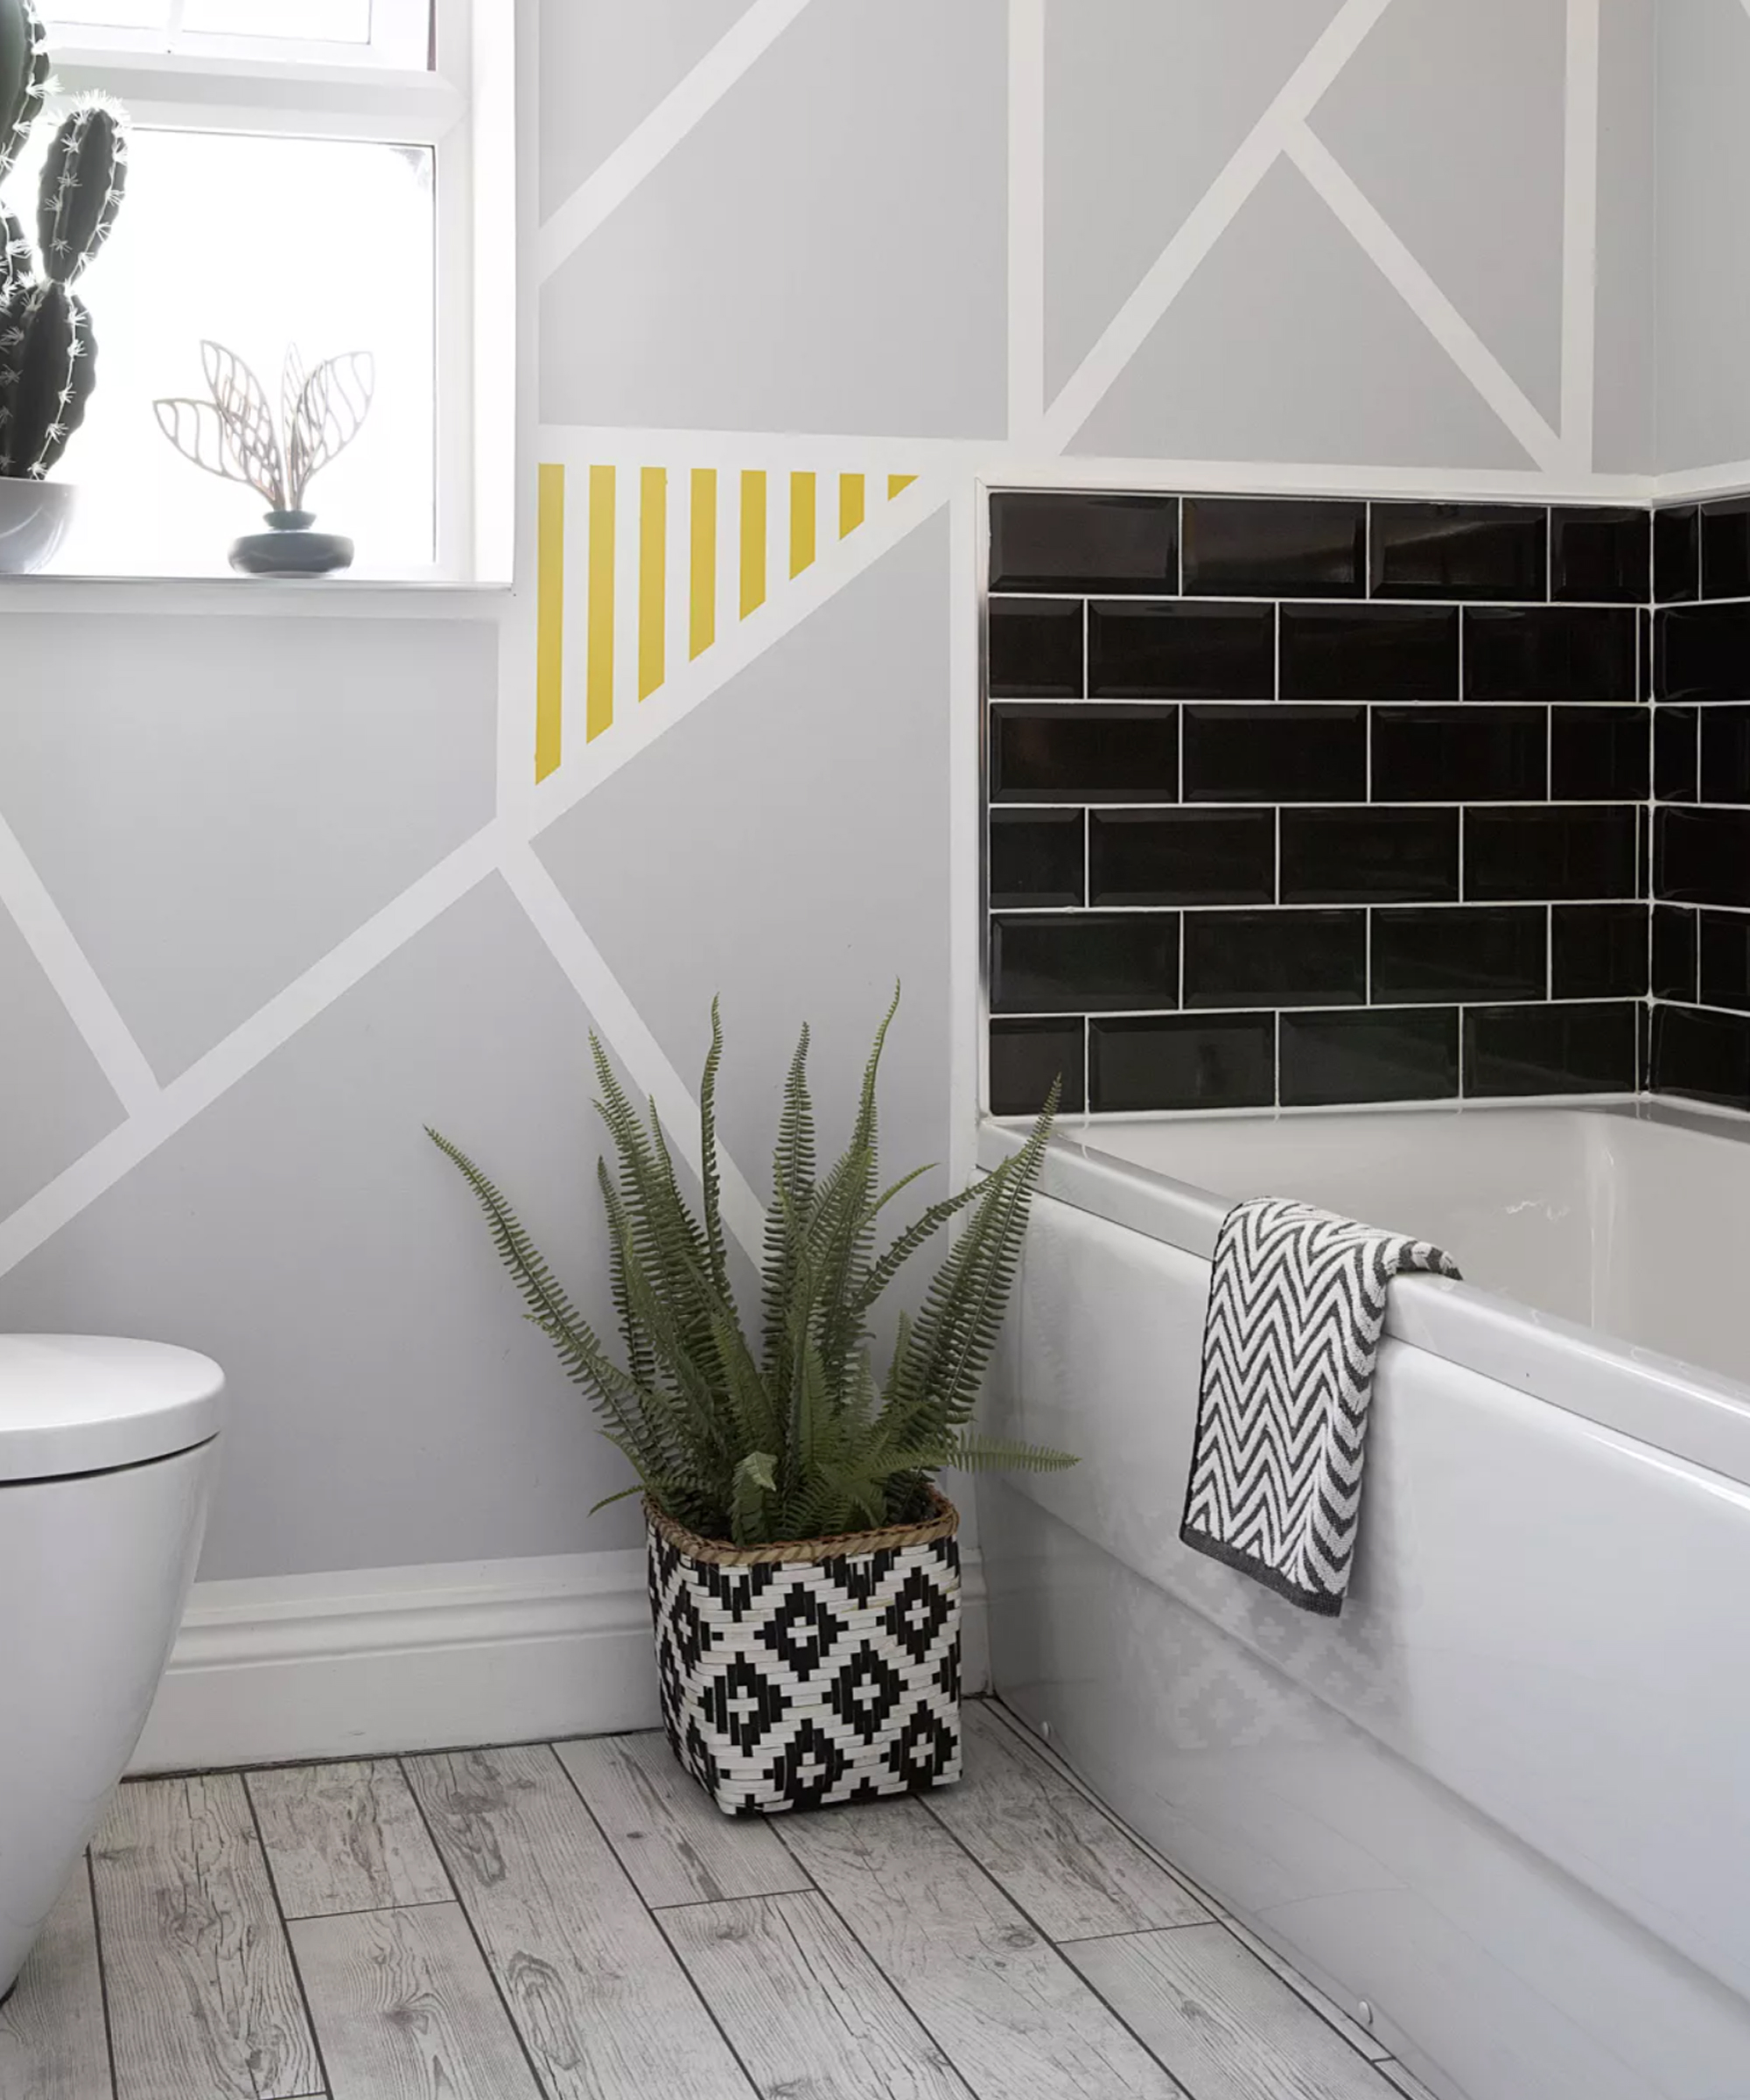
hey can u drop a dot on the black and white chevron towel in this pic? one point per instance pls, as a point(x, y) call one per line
point(1296, 1307)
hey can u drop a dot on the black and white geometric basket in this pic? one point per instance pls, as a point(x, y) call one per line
point(799, 1675)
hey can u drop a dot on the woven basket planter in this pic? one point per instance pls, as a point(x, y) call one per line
point(815, 1671)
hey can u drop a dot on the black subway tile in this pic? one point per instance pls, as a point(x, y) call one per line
point(1369, 653)
point(1677, 554)
point(1725, 771)
point(1566, 1049)
point(1444, 755)
point(1113, 754)
point(1437, 956)
point(1181, 652)
point(1702, 857)
point(1674, 953)
point(1200, 1061)
point(1676, 749)
point(1568, 852)
point(1370, 856)
point(1069, 541)
point(1724, 960)
point(1026, 1056)
point(1703, 1056)
point(1599, 754)
point(1599, 951)
point(1601, 555)
point(1726, 547)
point(1376, 1055)
point(1281, 753)
point(1275, 547)
point(1491, 551)
point(1037, 857)
point(1278, 958)
point(1035, 649)
point(1703, 653)
point(1084, 962)
point(1182, 856)
point(1552, 653)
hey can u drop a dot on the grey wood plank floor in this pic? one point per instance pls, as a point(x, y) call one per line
point(574, 1921)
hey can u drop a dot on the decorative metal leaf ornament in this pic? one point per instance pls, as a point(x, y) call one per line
point(243, 403)
point(234, 434)
point(331, 412)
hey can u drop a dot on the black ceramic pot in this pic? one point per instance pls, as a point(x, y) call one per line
point(290, 548)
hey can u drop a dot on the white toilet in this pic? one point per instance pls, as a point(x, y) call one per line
point(106, 1456)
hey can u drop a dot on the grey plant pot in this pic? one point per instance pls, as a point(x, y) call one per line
point(290, 548)
point(34, 520)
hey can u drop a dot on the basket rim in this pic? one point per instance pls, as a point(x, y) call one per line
point(804, 1552)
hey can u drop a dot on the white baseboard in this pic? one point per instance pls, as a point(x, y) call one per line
point(391, 1659)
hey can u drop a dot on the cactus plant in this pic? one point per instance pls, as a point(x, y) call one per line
point(48, 354)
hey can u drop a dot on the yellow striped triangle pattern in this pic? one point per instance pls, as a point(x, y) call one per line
point(640, 570)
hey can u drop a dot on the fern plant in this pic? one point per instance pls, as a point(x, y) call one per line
point(790, 1435)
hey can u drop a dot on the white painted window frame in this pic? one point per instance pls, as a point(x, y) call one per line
point(463, 108)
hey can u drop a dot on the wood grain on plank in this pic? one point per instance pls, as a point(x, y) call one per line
point(676, 1844)
point(204, 2002)
point(1221, 2021)
point(406, 2009)
point(346, 1837)
point(52, 2046)
point(597, 1993)
point(806, 2009)
point(1074, 1871)
point(1010, 2015)
point(1328, 2009)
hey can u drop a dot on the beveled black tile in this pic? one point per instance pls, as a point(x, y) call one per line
point(1369, 652)
point(1599, 754)
point(1096, 754)
point(1599, 951)
point(1438, 957)
point(1064, 540)
point(1702, 1056)
point(1675, 953)
point(1491, 551)
point(1675, 751)
point(1199, 1061)
point(1037, 857)
point(1445, 754)
point(1035, 649)
point(1601, 553)
point(1724, 960)
point(1677, 554)
point(1375, 1054)
point(1183, 857)
point(1701, 652)
point(1564, 1049)
point(1280, 753)
point(1278, 958)
point(1726, 547)
point(1084, 962)
point(1026, 1056)
point(1725, 773)
point(1370, 856)
point(1702, 855)
point(1552, 653)
point(1590, 851)
point(1275, 546)
point(1181, 652)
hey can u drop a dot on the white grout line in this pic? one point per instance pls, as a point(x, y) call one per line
point(1424, 298)
point(64, 963)
point(1579, 234)
point(1209, 219)
point(674, 117)
point(1026, 221)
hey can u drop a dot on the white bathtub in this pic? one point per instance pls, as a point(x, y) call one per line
point(1505, 1799)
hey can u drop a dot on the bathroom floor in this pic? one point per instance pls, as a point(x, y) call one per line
point(574, 1921)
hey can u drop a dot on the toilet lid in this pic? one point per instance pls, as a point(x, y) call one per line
point(89, 1403)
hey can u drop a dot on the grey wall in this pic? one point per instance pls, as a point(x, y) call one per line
point(825, 269)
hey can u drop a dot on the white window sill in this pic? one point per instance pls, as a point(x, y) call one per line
point(346, 596)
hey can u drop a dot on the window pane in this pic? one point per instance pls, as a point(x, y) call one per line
point(258, 243)
point(303, 21)
point(105, 14)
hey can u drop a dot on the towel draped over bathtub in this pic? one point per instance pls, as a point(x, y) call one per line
point(1297, 1307)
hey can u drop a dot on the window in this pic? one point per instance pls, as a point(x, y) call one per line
point(303, 172)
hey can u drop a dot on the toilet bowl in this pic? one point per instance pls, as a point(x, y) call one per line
point(106, 1456)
